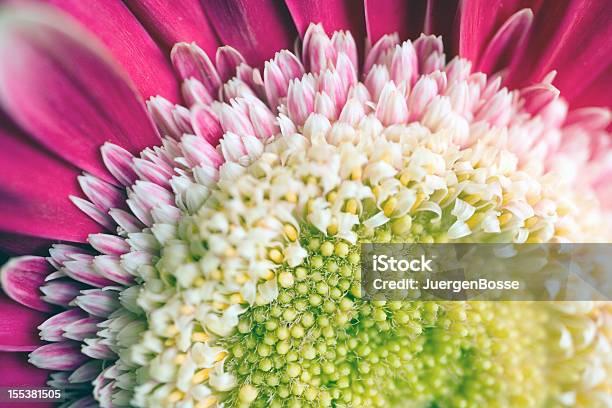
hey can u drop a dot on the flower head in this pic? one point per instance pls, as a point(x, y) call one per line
point(228, 271)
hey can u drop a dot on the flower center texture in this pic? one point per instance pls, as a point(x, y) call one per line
point(260, 293)
point(234, 276)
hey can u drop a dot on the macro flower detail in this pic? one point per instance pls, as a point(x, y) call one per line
point(224, 270)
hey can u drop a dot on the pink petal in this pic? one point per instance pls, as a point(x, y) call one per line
point(61, 291)
point(152, 172)
point(591, 118)
point(504, 48)
point(376, 79)
point(324, 105)
point(82, 328)
point(264, 122)
point(62, 356)
point(126, 221)
point(199, 152)
point(335, 15)
point(394, 16)
point(195, 92)
point(34, 193)
point(171, 22)
point(206, 124)
point(85, 272)
point(352, 112)
point(190, 61)
point(236, 88)
point(108, 244)
point(86, 98)
point(392, 107)
point(110, 267)
point(86, 372)
point(18, 324)
point(276, 84)
point(171, 120)
point(234, 119)
point(128, 41)
point(251, 77)
point(537, 97)
point(347, 71)
point(331, 84)
point(53, 328)
point(421, 95)
point(256, 28)
point(151, 195)
point(16, 371)
point(61, 253)
point(98, 349)
point(227, 60)
point(92, 211)
point(21, 279)
point(104, 195)
point(98, 302)
point(119, 162)
point(404, 64)
point(430, 53)
point(377, 52)
point(300, 100)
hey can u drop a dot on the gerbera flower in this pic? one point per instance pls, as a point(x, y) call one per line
point(211, 254)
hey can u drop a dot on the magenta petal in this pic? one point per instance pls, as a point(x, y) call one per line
point(579, 49)
point(113, 23)
point(21, 279)
point(15, 244)
point(34, 193)
point(504, 48)
point(598, 93)
point(256, 28)
point(16, 371)
point(18, 324)
point(333, 14)
point(394, 16)
point(171, 22)
point(77, 97)
point(478, 20)
point(441, 19)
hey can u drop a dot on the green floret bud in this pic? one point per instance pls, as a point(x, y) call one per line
point(319, 345)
